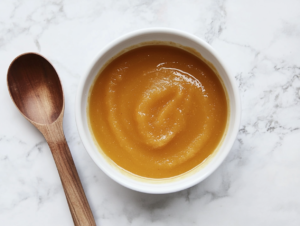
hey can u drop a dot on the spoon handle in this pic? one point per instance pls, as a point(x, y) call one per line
point(77, 201)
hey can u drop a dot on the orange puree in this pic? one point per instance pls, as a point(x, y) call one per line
point(157, 111)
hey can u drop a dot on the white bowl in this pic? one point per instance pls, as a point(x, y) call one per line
point(163, 185)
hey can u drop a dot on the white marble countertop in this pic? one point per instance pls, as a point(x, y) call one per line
point(259, 182)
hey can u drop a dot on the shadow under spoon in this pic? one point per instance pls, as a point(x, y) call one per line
point(37, 92)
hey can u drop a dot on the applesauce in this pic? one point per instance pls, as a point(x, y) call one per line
point(157, 111)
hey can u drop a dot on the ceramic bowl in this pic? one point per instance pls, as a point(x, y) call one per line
point(158, 186)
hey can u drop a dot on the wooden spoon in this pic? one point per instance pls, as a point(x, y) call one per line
point(36, 90)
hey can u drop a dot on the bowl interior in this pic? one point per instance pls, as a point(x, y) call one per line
point(127, 179)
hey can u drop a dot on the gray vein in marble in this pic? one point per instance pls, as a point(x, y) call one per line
point(218, 22)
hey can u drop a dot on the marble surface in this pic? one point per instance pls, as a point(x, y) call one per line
point(259, 182)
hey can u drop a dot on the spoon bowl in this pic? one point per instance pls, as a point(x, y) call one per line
point(31, 82)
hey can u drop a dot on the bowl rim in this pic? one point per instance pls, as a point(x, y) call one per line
point(83, 135)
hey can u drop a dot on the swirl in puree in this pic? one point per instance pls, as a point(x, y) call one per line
point(157, 111)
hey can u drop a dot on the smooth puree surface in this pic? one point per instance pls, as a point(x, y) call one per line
point(157, 111)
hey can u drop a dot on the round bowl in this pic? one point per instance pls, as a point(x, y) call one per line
point(158, 186)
